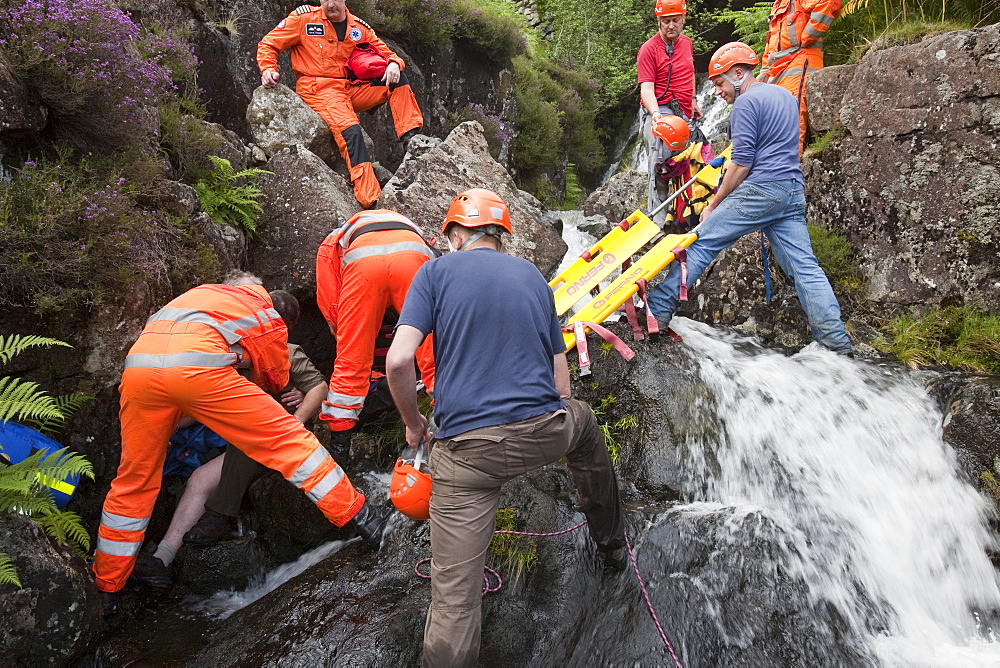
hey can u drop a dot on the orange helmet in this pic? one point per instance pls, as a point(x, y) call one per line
point(674, 132)
point(727, 55)
point(410, 487)
point(478, 207)
point(671, 7)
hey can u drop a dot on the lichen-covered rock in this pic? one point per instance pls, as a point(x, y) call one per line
point(915, 180)
point(425, 184)
point(56, 616)
point(825, 95)
point(304, 200)
point(278, 118)
point(620, 196)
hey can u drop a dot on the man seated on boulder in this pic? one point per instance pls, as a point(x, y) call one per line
point(338, 58)
point(215, 490)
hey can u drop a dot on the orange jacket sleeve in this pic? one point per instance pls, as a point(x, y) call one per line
point(267, 346)
point(821, 15)
point(286, 34)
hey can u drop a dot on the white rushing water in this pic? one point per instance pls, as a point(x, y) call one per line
point(847, 457)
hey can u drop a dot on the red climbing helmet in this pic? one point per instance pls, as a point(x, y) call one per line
point(673, 130)
point(410, 487)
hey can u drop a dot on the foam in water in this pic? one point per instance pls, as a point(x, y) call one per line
point(848, 458)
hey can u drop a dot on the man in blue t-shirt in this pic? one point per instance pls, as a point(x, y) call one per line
point(502, 406)
point(762, 190)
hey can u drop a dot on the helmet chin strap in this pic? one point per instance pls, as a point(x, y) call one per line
point(738, 85)
point(471, 240)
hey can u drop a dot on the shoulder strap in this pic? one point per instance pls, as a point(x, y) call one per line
point(388, 225)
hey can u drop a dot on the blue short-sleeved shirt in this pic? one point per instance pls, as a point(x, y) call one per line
point(495, 333)
point(764, 129)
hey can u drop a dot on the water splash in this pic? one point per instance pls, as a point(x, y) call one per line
point(847, 458)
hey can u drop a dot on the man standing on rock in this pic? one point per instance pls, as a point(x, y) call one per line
point(503, 408)
point(665, 66)
point(185, 364)
point(364, 267)
point(335, 54)
point(762, 189)
point(794, 49)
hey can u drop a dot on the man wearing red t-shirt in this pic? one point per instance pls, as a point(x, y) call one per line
point(666, 74)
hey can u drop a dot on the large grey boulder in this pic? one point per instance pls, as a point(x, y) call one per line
point(425, 184)
point(278, 118)
point(825, 96)
point(620, 196)
point(56, 616)
point(304, 200)
point(914, 181)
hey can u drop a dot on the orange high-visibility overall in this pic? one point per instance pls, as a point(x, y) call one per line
point(795, 47)
point(184, 364)
point(362, 268)
point(319, 59)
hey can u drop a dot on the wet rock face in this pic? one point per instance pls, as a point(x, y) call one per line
point(304, 200)
point(914, 180)
point(57, 615)
point(429, 179)
point(972, 423)
point(619, 197)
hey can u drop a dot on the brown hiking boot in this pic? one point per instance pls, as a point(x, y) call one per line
point(211, 528)
point(152, 572)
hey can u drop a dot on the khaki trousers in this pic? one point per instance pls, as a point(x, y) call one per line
point(468, 472)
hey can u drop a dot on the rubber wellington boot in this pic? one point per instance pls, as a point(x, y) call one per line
point(109, 601)
point(372, 524)
point(340, 447)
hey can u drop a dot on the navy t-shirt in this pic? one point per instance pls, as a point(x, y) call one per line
point(495, 332)
point(764, 129)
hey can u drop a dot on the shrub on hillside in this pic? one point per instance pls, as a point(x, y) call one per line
point(97, 71)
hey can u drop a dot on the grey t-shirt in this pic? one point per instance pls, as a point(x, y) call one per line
point(764, 128)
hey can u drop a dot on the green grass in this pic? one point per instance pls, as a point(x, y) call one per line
point(515, 554)
point(839, 260)
point(959, 337)
point(825, 140)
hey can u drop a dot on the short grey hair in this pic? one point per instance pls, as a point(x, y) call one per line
point(241, 278)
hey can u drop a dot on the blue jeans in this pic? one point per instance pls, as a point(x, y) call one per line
point(778, 208)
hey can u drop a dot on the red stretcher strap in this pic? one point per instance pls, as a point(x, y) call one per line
point(651, 325)
point(681, 254)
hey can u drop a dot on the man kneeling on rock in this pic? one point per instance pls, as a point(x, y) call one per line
point(185, 364)
point(335, 54)
point(503, 409)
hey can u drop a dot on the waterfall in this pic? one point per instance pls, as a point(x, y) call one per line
point(848, 459)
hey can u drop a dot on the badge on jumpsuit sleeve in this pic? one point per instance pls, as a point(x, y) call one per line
point(355, 34)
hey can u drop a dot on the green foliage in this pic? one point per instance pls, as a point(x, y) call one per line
point(23, 487)
point(575, 194)
point(825, 141)
point(24, 401)
point(839, 261)
point(961, 337)
point(612, 431)
point(991, 483)
point(186, 141)
point(509, 550)
point(224, 201)
point(750, 24)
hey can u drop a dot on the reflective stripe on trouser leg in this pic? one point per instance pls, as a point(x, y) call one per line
point(148, 416)
point(249, 419)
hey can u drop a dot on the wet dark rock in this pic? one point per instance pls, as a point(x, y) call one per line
point(619, 197)
point(972, 422)
point(57, 615)
point(425, 184)
point(20, 112)
point(231, 564)
point(221, 90)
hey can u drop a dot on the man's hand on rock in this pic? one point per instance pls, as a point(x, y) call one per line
point(269, 78)
point(392, 74)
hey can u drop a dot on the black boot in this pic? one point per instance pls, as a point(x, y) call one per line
point(340, 447)
point(109, 600)
point(372, 524)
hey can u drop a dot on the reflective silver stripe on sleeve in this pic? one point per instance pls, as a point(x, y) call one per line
point(777, 55)
point(324, 486)
point(812, 32)
point(118, 548)
point(338, 412)
point(307, 467)
point(345, 399)
point(227, 328)
point(122, 523)
point(793, 37)
point(366, 218)
point(820, 17)
point(149, 360)
point(387, 249)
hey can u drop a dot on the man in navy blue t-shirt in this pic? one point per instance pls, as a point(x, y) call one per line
point(762, 190)
point(502, 406)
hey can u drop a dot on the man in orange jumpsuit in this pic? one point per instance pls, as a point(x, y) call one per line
point(362, 268)
point(794, 47)
point(185, 364)
point(322, 39)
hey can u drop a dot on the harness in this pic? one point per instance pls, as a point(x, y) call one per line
point(390, 225)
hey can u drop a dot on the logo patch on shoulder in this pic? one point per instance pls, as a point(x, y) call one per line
point(315, 29)
point(303, 9)
point(355, 34)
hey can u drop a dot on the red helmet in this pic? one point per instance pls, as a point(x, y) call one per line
point(478, 207)
point(674, 132)
point(727, 55)
point(410, 487)
point(671, 7)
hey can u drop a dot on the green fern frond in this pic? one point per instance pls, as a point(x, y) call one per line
point(66, 404)
point(66, 527)
point(751, 24)
point(23, 400)
point(62, 463)
point(227, 203)
point(7, 573)
point(11, 346)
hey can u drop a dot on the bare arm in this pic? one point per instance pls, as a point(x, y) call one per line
point(311, 402)
point(647, 93)
point(561, 369)
point(402, 374)
point(734, 176)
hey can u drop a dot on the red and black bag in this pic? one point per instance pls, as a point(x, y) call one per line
point(365, 63)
